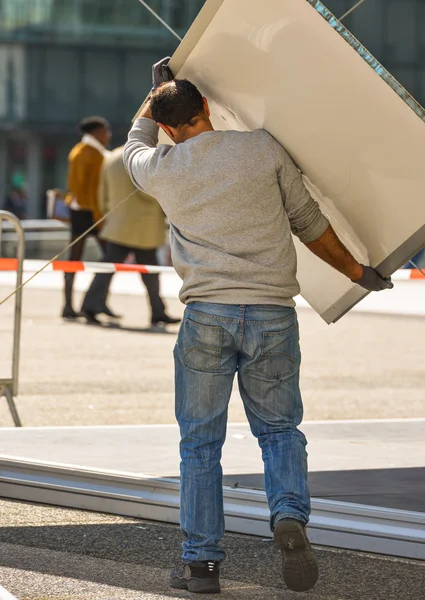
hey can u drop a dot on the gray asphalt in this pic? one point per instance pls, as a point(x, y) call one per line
point(57, 554)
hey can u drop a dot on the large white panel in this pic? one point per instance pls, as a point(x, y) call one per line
point(359, 139)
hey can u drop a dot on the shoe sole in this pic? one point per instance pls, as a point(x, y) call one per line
point(70, 316)
point(300, 571)
point(197, 586)
point(90, 318)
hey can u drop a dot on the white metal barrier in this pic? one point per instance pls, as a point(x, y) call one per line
point(9, 386)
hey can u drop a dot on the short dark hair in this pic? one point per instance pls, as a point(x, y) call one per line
point(89, 124)
point(178, 102)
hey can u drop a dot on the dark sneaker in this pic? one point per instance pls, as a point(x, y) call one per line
point(69, 313)
point(202, 577)
point(90, 317)
point(300, 571)
point(109, 313)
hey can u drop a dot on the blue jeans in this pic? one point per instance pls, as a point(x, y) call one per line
point(261, 344)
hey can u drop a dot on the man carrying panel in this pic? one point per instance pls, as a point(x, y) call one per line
point(233, 199)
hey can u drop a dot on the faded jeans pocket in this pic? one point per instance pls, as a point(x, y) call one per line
point(280, 355)
point(202, 346)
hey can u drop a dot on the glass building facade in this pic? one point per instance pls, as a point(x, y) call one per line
point(393, 31)
point(61, 60)
point(93, 21)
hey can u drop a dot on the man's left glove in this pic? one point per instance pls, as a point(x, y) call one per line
point(161, 72)
point(372, 281)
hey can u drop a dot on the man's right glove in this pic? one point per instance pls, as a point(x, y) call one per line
point(372, 281)
point(161, 72)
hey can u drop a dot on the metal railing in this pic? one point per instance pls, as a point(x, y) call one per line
point(9, 386)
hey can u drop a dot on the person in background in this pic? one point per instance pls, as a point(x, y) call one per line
point(85, 163)
point(17, 203)
point(138, 227)
point(233, 199)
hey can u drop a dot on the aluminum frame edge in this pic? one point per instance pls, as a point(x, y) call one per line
point(338, 524)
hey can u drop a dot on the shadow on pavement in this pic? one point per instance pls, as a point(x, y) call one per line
point(143, 552)
point(402, 489)
point(111, 326)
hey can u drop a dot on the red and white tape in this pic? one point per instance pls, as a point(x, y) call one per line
point(407, 274)
point(68, 266)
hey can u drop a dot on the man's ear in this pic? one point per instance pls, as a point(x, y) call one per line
point(206, 107)
point(168, 131)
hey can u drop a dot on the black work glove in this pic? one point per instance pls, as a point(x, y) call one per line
point(161, 72)
point(372, 281)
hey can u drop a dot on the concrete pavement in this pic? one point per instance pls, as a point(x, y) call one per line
point(365, 366)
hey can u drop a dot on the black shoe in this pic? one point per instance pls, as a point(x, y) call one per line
point(108, 312)
point(165, 320)
point(202, 577)
point(69, 313)
point(300, 571)
point(90, 317)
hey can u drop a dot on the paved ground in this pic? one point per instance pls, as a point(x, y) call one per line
point(366, 366)
point(57, 554)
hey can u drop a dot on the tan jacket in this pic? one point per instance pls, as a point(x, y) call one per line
point(140, 221)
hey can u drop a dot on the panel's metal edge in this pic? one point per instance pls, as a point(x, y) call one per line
point(340, 524)
point(390, 265)
point(403, 253)
point(368, 58)
point(194, 34)
point(344, 304)
point(192, 37)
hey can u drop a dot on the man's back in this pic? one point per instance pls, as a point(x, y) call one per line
point(229, 197)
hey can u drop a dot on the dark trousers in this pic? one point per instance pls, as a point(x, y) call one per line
point(81, 220)
point(95, 299)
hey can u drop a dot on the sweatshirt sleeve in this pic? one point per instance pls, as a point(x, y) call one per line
point(307, 220)
point(142, 158)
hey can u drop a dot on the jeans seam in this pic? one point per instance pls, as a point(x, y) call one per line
point(271, 321)
point(242, 310)
point(216, 317)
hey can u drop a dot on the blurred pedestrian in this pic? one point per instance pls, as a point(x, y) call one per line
point(16, 202)
point(137, 227)
point(85, 163)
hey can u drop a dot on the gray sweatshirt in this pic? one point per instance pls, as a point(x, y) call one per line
point(232, 199)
